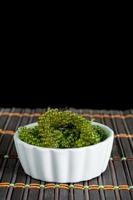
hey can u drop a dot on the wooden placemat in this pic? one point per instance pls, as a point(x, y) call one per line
point(115, 183)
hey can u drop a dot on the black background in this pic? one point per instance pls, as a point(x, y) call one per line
point(99, 101)
point(80, 88)
point(67, 63)
point(93, 72)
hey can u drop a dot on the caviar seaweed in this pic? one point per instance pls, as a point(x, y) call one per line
point(62, 129)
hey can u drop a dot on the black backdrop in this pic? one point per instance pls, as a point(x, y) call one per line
point(94, 69)
point(67, 100)
point(79, 91)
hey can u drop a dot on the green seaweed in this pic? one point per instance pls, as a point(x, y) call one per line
point(62, 129)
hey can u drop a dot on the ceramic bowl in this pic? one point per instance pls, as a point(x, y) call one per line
point(65, 165)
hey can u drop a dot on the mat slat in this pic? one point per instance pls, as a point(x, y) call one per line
point(107, 180)
point(41, 193)
point(64, 193)
point(94, 194)
point(71, 194)
point(49, 194)
point(78, 194)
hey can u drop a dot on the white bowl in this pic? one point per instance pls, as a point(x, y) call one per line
point(65, 165)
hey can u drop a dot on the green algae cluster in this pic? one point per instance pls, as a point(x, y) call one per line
point(62, 129)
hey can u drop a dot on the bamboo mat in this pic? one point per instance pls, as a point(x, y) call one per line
point(115, 183)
